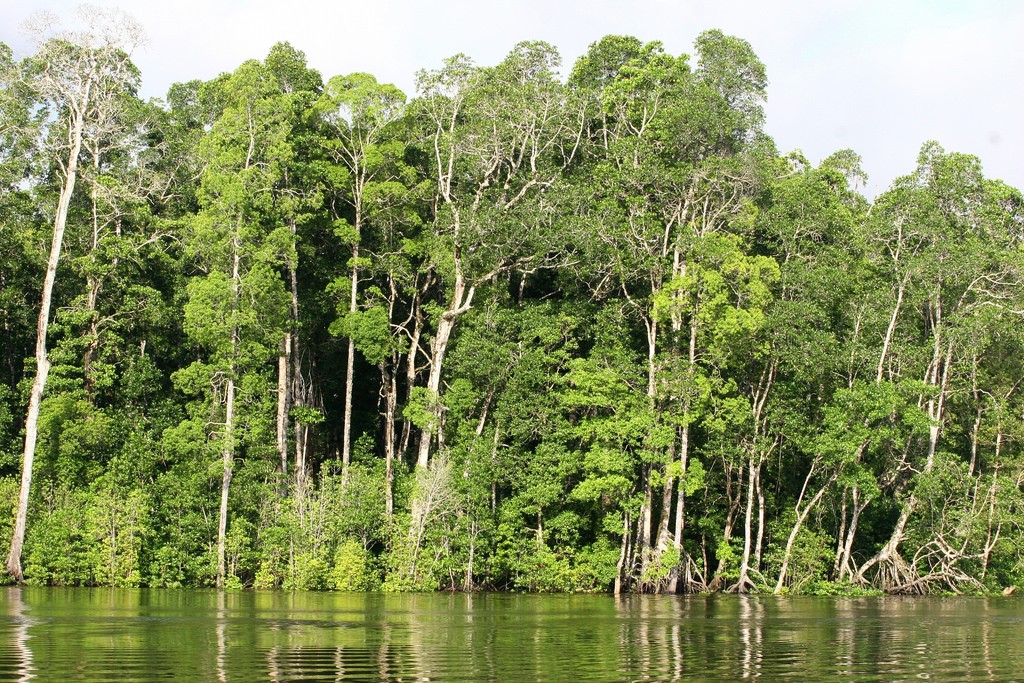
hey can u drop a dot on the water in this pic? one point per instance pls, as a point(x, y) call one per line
point(49, 634)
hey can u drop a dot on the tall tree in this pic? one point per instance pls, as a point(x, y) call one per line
point(236, 309)
point(297, 199)
point(498, 139)
point(674, 169)
point(361, 112)
point(956, 261)
point(79, 76)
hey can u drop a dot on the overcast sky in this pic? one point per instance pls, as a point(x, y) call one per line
point(876, 76)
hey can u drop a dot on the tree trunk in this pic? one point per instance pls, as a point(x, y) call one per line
point(462, 299)
point(684, 455)
point(889, 330)
point(652, 368)
point(666, 512)
point(755, 458)
point(840, 535)
point(846, 552)
point(661, 544)
point(410, 371)
point(468, 583)
point(283, 400)
point(992, 536)
point(350, 361)
point(645, 525)
point(299, 394)
point(225, 484)
point(389, 389)
point(41, 357)
point(438, 348)
point(92, 290)
point(645, 544)
point(760, 522)
point(978, 411)
point(744, 580)
point(680, 507)
point(228, 452)
point(733, 494)
point(623, 553)
point(801, 517)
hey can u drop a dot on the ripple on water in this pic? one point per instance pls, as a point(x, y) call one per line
point(206, 636)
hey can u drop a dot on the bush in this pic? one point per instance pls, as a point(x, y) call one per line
point(352, 570)
point(308, 573)
point(56, 547)
point(838, 589)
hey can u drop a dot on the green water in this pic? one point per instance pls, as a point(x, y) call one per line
point(51, 634)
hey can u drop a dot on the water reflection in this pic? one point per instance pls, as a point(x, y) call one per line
point(751, 636)
point(222, 638)
point(20, 666)
point(98, 635)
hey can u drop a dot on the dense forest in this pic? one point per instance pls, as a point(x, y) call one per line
point(518, 332)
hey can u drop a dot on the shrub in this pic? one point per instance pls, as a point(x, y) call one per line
point(352, 570)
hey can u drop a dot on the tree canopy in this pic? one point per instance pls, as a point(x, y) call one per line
point(518, 331)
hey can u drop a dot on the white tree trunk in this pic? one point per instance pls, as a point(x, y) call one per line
point(283, 400)
point(298, 392)
point(801, 517)
point(748, 520)
point(462, 299)
point(228, 450)
point(438, 349)
point(228, 455)
point(623, 553)
point(389, 387)
point(684, 456)
point(889, 331)
point(41, 356)
point(350, 363)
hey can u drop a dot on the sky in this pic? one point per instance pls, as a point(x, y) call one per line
point(879, 77)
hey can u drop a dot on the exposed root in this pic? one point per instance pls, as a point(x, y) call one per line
point(685, 577)
point(747, 584)
point(935, 567)
point(895, 575)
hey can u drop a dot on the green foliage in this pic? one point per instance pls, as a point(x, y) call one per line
point(57, 549)
point(309, 572)
point(370, 330)
point(118, 526)
point(352, 569)
point(419, 410)
point(811, 559)
point(565, 289)
point(845, 590)
point(663, 566)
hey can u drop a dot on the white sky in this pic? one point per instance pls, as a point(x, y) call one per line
point(876, 76)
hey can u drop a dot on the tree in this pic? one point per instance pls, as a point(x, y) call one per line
point(362, 111)
point(956, 261)
point(236, 309)
point(808, 214)
point(298, 198)
point(79, 76)
point(673, 165)
point(498, 139)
